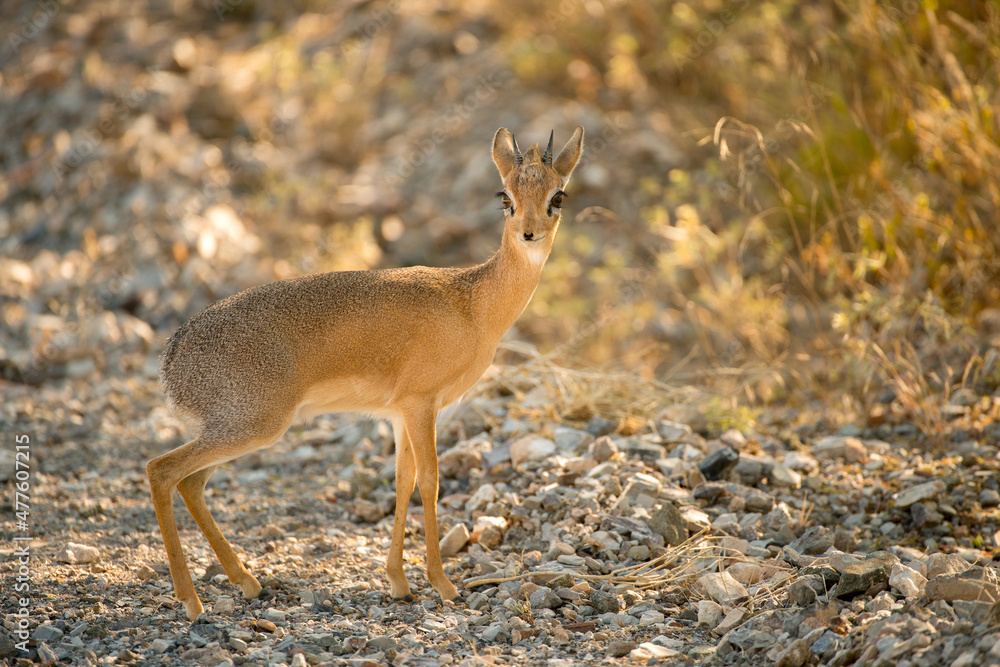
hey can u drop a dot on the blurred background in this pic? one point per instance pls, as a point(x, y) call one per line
point(781, 203)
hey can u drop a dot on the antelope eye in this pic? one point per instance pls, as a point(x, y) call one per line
point(557, 199)
point(504, 199)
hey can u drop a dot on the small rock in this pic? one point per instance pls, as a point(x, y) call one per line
point(598, 426)
point(47, 633)
point(976, 584)
point(481, 499)
point(489, 531)
point(580, 464)
point(224, 604)
point(906, 581)
point(571, 559)
point(478, 601)
point(454, 540)
point(718, 463)
point(709, 613)
point(571, 439)
point(751, 469)
point(784, 477)
point(840, 447)
point(804, 591)
point(795, 655)
point(938, 564)
point(722, 587)
point(859, 577)
point(814, 541)
point(926, 491)
point(78, 553)
point(159, 645)
point(731, 621)
point(777, 518)
point(273, 532)
point(989, 498)
point(124, 656)
point(651, 617)
point(381, 643)
point(531, 448)
point(463, 458)
point(758, 501)
point(640, 483)
point(264, 625)
point(604, 603)
point(47, 656)
point(368, 511)
point(648, 651)
point(638, 552)
point(672, 431)
point(800, 462)
point(619, 648)
point(492, 632)
point(146, 573)
point(275, 615)
point(544, 598)
point(695, 519)
point(668, 522)
point(603, 449)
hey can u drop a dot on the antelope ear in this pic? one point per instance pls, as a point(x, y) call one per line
point(569, 156)
point(503, 152)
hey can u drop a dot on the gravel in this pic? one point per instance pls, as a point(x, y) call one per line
point(549, 561)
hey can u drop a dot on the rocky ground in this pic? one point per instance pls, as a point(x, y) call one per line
point(591, 542)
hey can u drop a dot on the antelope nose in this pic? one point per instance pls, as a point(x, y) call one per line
point(528, 236)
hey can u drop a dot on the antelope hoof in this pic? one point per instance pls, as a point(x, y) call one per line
point(251, 587)
point(446, 590)
point(193, 609)
point(400, 591)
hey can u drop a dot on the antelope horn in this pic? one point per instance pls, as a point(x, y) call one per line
point(518, 158)
point(547, 155)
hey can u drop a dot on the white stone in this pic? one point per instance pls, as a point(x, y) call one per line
point(159, 645)
point(454, 540)
point(784, 477)
point(800, 462)
point(484, 495)
point(907, 581)
point(732, 620)
point(695, 519)
point(224, 604)
point(709, 613)
point(274, 615)
point(646, 650)
point(722, 587)
point(78, 553)
point(650, 617)
point(915, 494)
point(531, 448)
point(489, 530)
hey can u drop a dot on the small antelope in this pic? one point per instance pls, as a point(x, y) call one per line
point(395, 343)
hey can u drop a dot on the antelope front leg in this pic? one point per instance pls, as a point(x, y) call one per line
point(405, 471)
point(420, 427)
